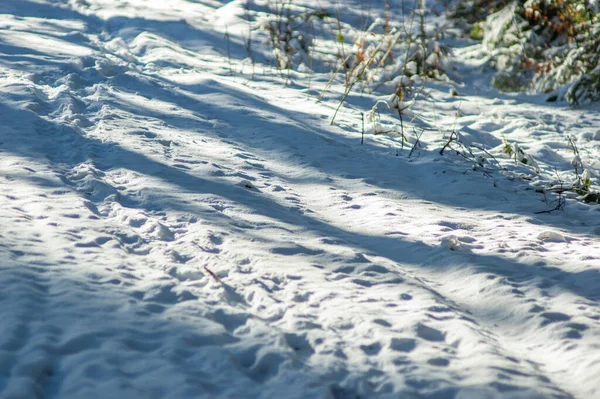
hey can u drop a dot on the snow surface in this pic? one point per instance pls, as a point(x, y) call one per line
point(171, 227)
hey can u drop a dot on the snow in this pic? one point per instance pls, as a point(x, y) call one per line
point(173, 227)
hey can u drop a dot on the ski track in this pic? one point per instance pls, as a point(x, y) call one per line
point(172, 231)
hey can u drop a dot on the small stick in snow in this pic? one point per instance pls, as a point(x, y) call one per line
point(213, 275)
point(453, 134)
point(416, 142)
point(362, 118)
point(217, 279)
point(560, 206)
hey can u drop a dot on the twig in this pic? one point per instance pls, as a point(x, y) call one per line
point(214, 276)
point(401, 128)
point(416, 142)
point(310, 58)
point(452, 134)
point(577, 160)
point(450, 139)
point(340, 40)
point(362, 118)
point(356, 73)
point(560, 206)
point(328, 85)
point(489, 155)
point(249, 42)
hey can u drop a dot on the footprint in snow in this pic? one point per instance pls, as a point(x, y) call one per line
point(430, 333)
point(449, 226)
point(300, 344)
point(295, 250)
point(371, 349)
point(403, 344)
point(439, 361)
point(167, 294)
point(553, 317)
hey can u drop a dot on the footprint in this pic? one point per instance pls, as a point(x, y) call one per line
point(382, 322)
point(186, 274)
point(572, 334)
point(181, 166)
point(362, 282)
point(345, 269)
point(179, 258)
point(166, 294)
point(215, 239)
point(256, 165)
point(340, 392)
point(159, 231)
point(211, 243)
point(456, 226)
point(394, 233)
point(403, 344)
point(439, 361)
point(536, 309)
point(295, 250)
point(142, 345)
point(377, 269)
point(299, 344)
point(97, 242)
point(245, 176)
point(371, 349)
point(231, 321)
point(439, 309)
point(266, 367)
point(359, 258)
point(299, 298)
point(430, 334)
point(553, 317)
point(245, 156)
point(79, 343)
point(467, 239)
point(578, 326)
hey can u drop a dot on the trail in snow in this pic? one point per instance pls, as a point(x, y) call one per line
point(169, 229)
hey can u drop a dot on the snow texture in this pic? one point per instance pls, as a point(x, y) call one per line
point(172, 227)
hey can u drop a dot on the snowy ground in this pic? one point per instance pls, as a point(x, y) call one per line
point(171, 228)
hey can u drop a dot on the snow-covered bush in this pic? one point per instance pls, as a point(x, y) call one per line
point(541, 45)
point(473, 11)
point(289, 32)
